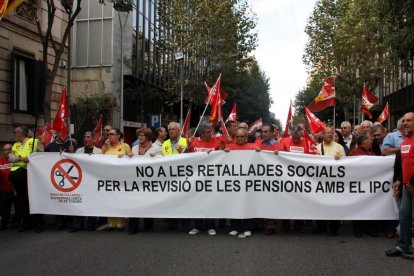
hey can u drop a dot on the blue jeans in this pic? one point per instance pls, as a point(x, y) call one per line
point(406, 220)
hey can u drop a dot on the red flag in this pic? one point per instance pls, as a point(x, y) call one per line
point(98, 129)
point(224, 129)
point(45, 134)
point(215, 113)
point(3, 8)
point(288, 119)
point(315, 124)
point(211, 92)
point(232, 115)
point(368, 101)
point(326, 96)
point(310, 142)
point(208, 98)
point(255, 126)
point(369, 96)
point(186, 124)
point(385, 114)
point(7, 6)
point(61, 114)
point(365, 109)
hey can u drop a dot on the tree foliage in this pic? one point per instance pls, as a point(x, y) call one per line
point(249, 88)
point(85, 112)
point(357, 41)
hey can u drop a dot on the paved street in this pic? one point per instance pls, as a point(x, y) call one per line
point(175, 253)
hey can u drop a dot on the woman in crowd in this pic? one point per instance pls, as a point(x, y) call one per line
point(144, 148)
point(114, 146)
point(340, 140)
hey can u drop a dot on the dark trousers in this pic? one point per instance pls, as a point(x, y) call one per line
point(241, 225)
point(78, 222)
point(19, 179)
point(204, 224)
point(6, 200)
point(332, 226)
point(133, 225)
point(184, 223)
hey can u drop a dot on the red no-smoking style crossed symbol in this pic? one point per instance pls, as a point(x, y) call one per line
point(66, 175)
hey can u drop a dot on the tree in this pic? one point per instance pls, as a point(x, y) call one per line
point(49, 43)
point(345, 40)
point(397, 20)
point(87, 110)
point(211, 34)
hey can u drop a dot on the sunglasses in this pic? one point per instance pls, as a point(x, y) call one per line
point(240, 137)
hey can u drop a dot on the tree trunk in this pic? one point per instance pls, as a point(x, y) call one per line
point(47, 98)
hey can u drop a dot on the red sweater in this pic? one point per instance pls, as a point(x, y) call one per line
point(5, 167)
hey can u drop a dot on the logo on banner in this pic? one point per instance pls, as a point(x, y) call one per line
point(66, 175)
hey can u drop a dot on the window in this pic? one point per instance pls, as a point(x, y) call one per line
point(26, 83)
point(93, 37)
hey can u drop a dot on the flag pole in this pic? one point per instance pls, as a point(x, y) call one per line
point(208, 102)
point(354, 110)
point(334, 117)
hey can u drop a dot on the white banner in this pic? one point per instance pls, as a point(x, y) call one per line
point(238, 184)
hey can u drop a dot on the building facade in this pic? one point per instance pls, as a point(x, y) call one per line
point(21, 57)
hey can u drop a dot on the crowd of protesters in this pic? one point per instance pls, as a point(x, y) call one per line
point(364, 139)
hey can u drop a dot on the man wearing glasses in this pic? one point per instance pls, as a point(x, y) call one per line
point(241, 227)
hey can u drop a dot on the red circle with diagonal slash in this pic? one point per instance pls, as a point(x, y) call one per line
point(58, 166)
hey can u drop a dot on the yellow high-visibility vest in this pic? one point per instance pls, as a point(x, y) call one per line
point(167, 146)
point(23, 152)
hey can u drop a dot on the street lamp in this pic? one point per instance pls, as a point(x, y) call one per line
point(180, 56)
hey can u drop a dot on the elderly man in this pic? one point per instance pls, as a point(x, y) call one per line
point(329, 148)
point(176, 144)
point(404, 245)
point(348, 137)
point(241, 227)
point(357, 130)
point(366, 126)
point(19, 156)
point(393, 140)
point(204, 143)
